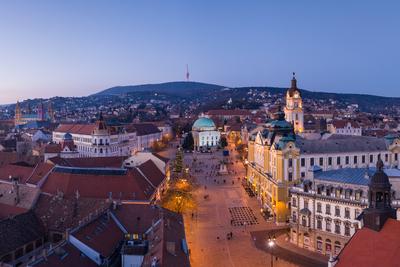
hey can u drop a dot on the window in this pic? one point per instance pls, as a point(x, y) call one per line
point(330, 161)
point(328, 226)
point(337, 248)
point(337, 193)
point(386, 157)
point(396, 156)
point(347, 160)
point(328, 209)
point(347, 229)
point(347, 193)
point(294, 217)
point(303, 162)
point(290, 177)
point(356, 213)
point(338, 160)
point(337, 211)
point(306, 203)
point(337, 228)
point(319, 244)
point(321, 162)
point(304, 221)
point(319, 224)
point(355, 159)
point(347, 213)
point(371, 158)
point(363, 159)
point(358, 195)
point(319, 207)
point(303, 174)
point(294, 202)
point(311, 161)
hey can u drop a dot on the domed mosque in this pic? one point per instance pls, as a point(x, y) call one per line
point(205, 133)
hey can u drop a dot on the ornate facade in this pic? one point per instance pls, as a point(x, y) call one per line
point(294, 107)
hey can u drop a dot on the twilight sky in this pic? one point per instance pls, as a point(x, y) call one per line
point(75, 48)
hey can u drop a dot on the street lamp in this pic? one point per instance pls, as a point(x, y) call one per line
point(271, 244)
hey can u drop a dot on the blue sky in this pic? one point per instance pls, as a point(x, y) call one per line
point(75, 48)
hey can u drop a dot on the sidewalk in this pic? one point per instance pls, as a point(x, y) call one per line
point(285, 250)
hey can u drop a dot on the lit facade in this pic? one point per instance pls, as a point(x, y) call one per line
point(294, 107)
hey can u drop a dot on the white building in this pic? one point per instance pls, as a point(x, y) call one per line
point(325, 209)
point(205, 133)
point(344, 127)
point(98, 140)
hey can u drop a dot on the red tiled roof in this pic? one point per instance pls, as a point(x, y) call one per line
point(8, 157)
point(102, 235)
point(145, 128)
point(69, 256)
point(86, 129)
point(10, 210)
point(152, 172)
point(39, 172)
point(59, 214)
point(137, 218)
point(21, 172)
point(230, 112)
point(93, 162)
point(369, 248)
point(99, 186)
point(52, 148)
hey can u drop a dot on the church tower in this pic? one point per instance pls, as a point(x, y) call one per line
point(18, 114)
point(294, 107)
point(51, 112)
point(40, 113)
point(379, 198)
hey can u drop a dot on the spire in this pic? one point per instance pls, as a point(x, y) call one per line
point(18, 114)
point(294, 81)
point(187, 72)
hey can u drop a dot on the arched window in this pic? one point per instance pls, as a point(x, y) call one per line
point(338, 247)
point(319, 244)
point(328, 246)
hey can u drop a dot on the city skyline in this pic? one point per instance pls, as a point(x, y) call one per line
point(77, 49)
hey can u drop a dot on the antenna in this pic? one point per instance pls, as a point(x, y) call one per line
point(187, 72)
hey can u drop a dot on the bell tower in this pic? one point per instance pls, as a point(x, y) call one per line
point(379, 198)
point(294, 106)
point(18, 114)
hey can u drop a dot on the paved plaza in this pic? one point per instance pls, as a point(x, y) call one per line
point(228, 209)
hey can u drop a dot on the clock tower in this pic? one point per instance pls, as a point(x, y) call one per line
point(294, 107)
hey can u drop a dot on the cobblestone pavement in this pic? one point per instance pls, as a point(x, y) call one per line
point(207, 231)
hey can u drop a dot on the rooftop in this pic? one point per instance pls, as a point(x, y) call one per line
point(369, 248)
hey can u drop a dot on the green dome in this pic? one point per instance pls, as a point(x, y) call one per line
point(203, 123)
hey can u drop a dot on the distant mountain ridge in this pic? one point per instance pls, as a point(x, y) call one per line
point(168, 87)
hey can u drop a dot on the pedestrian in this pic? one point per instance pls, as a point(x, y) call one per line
point(231, 234)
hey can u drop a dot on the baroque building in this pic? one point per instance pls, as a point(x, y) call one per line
point(279, 159)
point(326, 209)
point(98, 139)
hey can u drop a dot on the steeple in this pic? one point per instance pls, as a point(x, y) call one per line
point(379, 198)
point(51, 112)
point(18, 114)
point(294, 81)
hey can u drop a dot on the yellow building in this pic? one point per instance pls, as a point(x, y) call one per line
point(274, 166)
point(294, 107)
